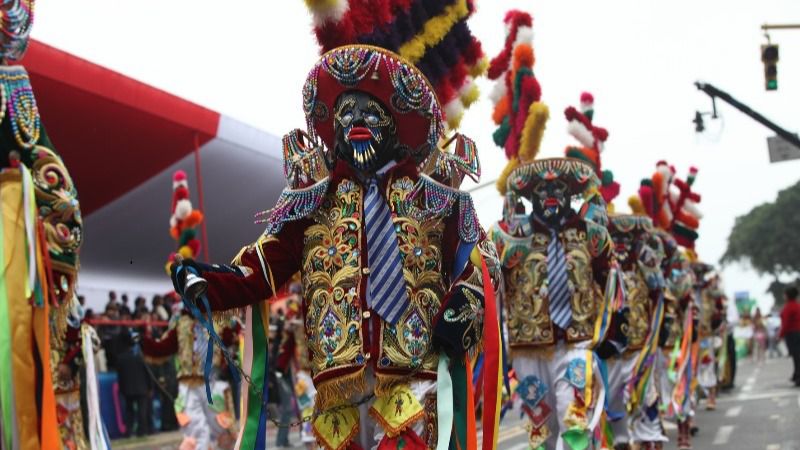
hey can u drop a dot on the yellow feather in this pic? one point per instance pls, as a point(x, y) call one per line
point(479, 68)
point(532, 133)
point(454, 121)
point(513, 163)
point(315, 5)
point(636, 205)
point(434, 31)
point(471, 96)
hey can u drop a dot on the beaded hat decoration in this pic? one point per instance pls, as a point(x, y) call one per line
point(576, 174)
point(386, 76)
point(433, 35)
point(630, 223)
point(16, 18)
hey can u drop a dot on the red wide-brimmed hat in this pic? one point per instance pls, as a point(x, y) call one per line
point(398, 84)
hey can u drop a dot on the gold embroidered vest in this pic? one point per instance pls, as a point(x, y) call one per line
point(639, 312)
point(527, 305)
point(334, 276)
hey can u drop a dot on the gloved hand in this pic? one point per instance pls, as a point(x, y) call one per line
point(179, 276)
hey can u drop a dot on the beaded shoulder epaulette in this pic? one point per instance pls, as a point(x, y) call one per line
point(451, 168)
point(293, 204)
point(439, 201)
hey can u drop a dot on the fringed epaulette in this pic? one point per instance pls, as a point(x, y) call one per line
point(439, 201)
point(510, 249)
point(451, 168)
point(293, 204)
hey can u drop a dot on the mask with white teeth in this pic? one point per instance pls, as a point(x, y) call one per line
point(366, 135)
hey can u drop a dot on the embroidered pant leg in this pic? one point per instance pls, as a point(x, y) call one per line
point(537, 370)
point(666, 386)
point(568, 396)
point(195, 403)
point(617, 415)
point(706, 371)
point(645, 423)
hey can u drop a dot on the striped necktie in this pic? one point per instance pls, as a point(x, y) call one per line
point(558, 290)
point(387, 288)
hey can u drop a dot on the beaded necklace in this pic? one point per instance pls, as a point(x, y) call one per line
point(18, 101)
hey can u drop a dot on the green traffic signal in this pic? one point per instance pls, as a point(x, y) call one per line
point(772, 85)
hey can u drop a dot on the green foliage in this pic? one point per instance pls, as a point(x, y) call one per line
point(768, 237)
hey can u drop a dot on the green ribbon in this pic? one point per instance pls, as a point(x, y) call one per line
point(257, 375)
point(577, 438)
point(444, 405)
point(458, 375)
point(6, 375)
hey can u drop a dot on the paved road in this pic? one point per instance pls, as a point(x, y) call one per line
point(761, 413)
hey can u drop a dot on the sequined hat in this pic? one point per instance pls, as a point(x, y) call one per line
point(386, 76)
point(576, 174)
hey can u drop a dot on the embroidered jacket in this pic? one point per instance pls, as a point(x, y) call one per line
point(641, 301)
point(186, 339)
point(524, 261)
point(327, 244)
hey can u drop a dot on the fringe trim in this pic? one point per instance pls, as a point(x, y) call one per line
point(385, 383)
point(223, 319)
point(155, 360)
point(333, 392)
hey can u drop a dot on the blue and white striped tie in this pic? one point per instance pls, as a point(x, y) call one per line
point(558, 290)
point(387, 288)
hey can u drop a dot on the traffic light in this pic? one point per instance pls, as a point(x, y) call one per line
point(769, 56)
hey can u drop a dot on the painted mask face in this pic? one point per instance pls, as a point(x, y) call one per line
point(651, 253)
point(680, 281)
point(365, 132)
point(623, 245)
point(550, 202)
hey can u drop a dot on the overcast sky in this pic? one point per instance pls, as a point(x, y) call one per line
point(248, 59)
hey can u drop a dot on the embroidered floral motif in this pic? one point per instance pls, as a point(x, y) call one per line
point(532, 390)
point(576, 373)
point(470, 313)
point(639, 308)
point(331, 277)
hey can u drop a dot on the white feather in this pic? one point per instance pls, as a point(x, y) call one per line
point(581, 133)
point(183, 208)
point(691, 207)
point(499, 89)
point(173, 222)
point(327, 12)
point(454, 108)
point(524, 36)
point(176, 184)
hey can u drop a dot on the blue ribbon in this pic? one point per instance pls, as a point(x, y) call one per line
point(206, 322)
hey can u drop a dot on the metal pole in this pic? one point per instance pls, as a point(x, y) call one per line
point(713, 92)
point(787, 26)
point(199, 178)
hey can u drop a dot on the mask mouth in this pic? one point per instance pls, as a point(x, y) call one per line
point(359, 134)
point(551, 203)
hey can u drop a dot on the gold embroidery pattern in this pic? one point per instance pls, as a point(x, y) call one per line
point(527, 304)
point(408, 344)
point(639, 310)
point(331, 276)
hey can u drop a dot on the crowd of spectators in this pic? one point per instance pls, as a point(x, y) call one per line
point(147, 390)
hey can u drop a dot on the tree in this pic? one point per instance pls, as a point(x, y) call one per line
point(768, 238)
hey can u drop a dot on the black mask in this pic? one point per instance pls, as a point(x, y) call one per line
point(623, 246)
point(550, 202)
point(366, 135)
